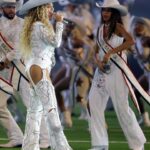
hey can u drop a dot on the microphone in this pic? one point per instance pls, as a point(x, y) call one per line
point(67, 21)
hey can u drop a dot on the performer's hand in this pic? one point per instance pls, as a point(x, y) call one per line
point(79, 53)
point(99, 63)
point(147, 67)
point(2, 66)
point(106, 58)
point(6, 63)
point(58, 16)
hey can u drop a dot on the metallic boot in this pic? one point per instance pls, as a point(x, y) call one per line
point(45, 91)
point(33, 123)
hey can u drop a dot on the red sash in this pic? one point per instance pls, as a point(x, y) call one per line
point(122, 65)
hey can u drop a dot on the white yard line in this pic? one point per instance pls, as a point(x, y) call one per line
point(3, 139)
point(112, 142)
point(85, 141)
point(112, 130)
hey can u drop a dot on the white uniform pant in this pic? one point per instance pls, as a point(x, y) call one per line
point(113, 85)
point(7, 121)
point(24, 92)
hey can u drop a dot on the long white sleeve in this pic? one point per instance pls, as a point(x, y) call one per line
point(50, 37)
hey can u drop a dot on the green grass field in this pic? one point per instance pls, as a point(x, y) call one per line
point(79, 137)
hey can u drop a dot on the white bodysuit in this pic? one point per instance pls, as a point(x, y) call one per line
point(43, 44)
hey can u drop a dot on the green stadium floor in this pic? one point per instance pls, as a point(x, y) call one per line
point(79, 137)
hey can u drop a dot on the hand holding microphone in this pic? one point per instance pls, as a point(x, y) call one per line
point(58, 17)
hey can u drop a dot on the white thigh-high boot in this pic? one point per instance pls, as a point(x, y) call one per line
point(33, 123)
point(45, 91)
point(44, 136)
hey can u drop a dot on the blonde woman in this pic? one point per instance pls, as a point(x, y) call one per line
point(38, 42)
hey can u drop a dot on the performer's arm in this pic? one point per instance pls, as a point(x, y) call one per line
point(128, 42)
point(2, 66)
point(50, 37)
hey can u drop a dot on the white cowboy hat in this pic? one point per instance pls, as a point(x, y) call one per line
point(136, 19)
point(113, 4)
point(32, 4)
point(7, 2)
point(142, 20)
point(63, 2)
point(66, 2)
point(17, 3)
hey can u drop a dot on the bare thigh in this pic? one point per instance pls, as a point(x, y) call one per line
point(36, 74)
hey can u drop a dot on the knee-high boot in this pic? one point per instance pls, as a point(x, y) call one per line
point(45, 91)
point(33, 122)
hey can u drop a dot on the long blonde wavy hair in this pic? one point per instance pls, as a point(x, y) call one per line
point(36, 14)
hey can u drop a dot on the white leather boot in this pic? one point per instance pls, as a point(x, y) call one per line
point(45, 91)
point(33, 123)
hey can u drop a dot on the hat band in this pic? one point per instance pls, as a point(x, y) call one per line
point(7, 4)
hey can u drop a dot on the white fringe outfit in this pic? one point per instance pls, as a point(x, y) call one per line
point(43, 43)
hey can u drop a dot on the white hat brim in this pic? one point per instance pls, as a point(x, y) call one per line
point(18, 4)
point(32, 4)
point(123, 10)
point(7, 3)
point(138, 19)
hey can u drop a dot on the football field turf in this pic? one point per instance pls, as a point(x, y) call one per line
point(79, 137)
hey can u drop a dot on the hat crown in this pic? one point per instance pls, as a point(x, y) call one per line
point(109, 3)
point(113, 4)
